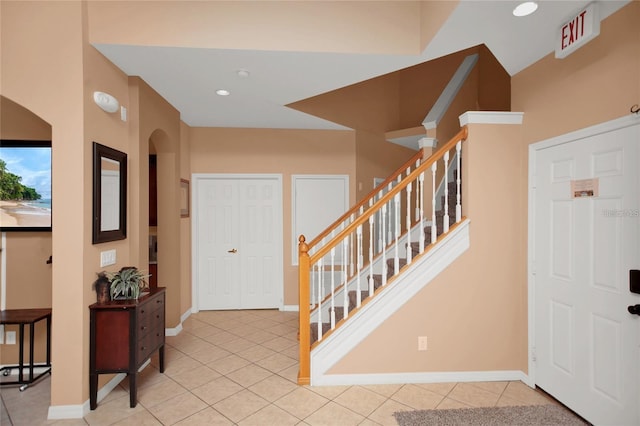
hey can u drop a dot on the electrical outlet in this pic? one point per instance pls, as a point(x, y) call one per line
point(422, 343)
point(11, 338)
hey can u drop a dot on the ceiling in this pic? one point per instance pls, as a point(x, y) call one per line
point(189, 77)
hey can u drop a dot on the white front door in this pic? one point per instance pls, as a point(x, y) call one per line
point(238, 240)
point(587, 344)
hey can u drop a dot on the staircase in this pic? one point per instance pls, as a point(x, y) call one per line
point(376, 253)
point(415, 251)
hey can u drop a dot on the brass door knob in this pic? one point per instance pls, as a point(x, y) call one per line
point(232, 251)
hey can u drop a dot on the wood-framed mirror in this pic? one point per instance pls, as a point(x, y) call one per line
point(109, 194)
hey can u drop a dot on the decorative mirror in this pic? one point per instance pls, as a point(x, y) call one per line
point(109, 194)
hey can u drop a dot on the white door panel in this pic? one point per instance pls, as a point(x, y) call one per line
point(587, 343)
point(239, 242)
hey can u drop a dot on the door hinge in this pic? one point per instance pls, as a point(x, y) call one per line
point(534, 357)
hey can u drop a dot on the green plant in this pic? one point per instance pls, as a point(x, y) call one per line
point(126, 283)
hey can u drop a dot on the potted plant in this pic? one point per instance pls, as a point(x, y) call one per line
point(127, 283)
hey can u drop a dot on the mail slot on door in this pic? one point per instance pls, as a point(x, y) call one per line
point(634, 281)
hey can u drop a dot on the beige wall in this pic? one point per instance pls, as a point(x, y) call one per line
point(185, 223)
point(42, 71)
point(286, 152)
point(53, 72)
point(343, 26)
point(27, 286)
point(479, 304)
point(597, 83)
point(157, 126)
point(475, 306)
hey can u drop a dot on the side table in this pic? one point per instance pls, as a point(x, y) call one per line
point(21, 317)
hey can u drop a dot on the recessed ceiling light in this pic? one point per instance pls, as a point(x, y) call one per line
point(526, 8)
point(243, 73)
point(222, 92)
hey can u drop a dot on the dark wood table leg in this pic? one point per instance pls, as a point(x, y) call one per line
point(133, 389)
point(21, 352)
point(161, 358)
point(31, 343)
point(93, 391)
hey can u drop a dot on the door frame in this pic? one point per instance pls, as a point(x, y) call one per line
point(605, 127)
point(196, 181)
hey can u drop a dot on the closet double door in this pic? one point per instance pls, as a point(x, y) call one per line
point(238, 241)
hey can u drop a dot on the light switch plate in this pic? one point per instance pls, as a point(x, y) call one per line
point(107, 258)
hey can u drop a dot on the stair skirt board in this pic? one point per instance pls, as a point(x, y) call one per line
point(370, 315)
point(419, 377)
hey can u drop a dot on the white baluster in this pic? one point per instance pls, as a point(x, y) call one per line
point(351, 263)
point(409, 251)
point(359, 265)
point(396, 262)
point(380, 227)
point(319, 300)
point(421, 218)
point(384, 245)
point(445, 218)
point(418, 192)
point(314, 278)
point(434, 229)
point(458, 183)
point(345, 287)
point(389, 223)
point(333, 287)
point(371, 255)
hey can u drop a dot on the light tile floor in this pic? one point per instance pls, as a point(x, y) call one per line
point(240, 368)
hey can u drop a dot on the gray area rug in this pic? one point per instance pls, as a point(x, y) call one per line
point(493, 416)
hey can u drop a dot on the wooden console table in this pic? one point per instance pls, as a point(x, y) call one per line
point(31, 317)
point(124, 334)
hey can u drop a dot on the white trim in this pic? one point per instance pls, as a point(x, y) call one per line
point(3, 273)
point(291, 308)
point(426, 142)
point(196, 178)
point(372, 314)
point(608, 126)
point(418, 377)
point(178, 329)
point(78, 411)
point(491, 117)
point(449, 93)
point(411, 142)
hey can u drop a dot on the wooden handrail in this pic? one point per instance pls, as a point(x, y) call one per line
point(324, 250)
point(392, 177)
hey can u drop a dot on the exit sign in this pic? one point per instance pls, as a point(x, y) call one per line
point(578, 31)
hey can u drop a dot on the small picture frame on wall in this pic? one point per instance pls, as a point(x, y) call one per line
point(184, 198)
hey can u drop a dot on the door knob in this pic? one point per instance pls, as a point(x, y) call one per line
point(232, 251)
point(634, 309)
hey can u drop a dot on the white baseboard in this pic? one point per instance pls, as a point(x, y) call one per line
point(177, 329)
point(80, 410)
point(291, 308)
point(403, 378)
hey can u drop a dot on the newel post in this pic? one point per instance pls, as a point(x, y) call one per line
point(303, 306)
